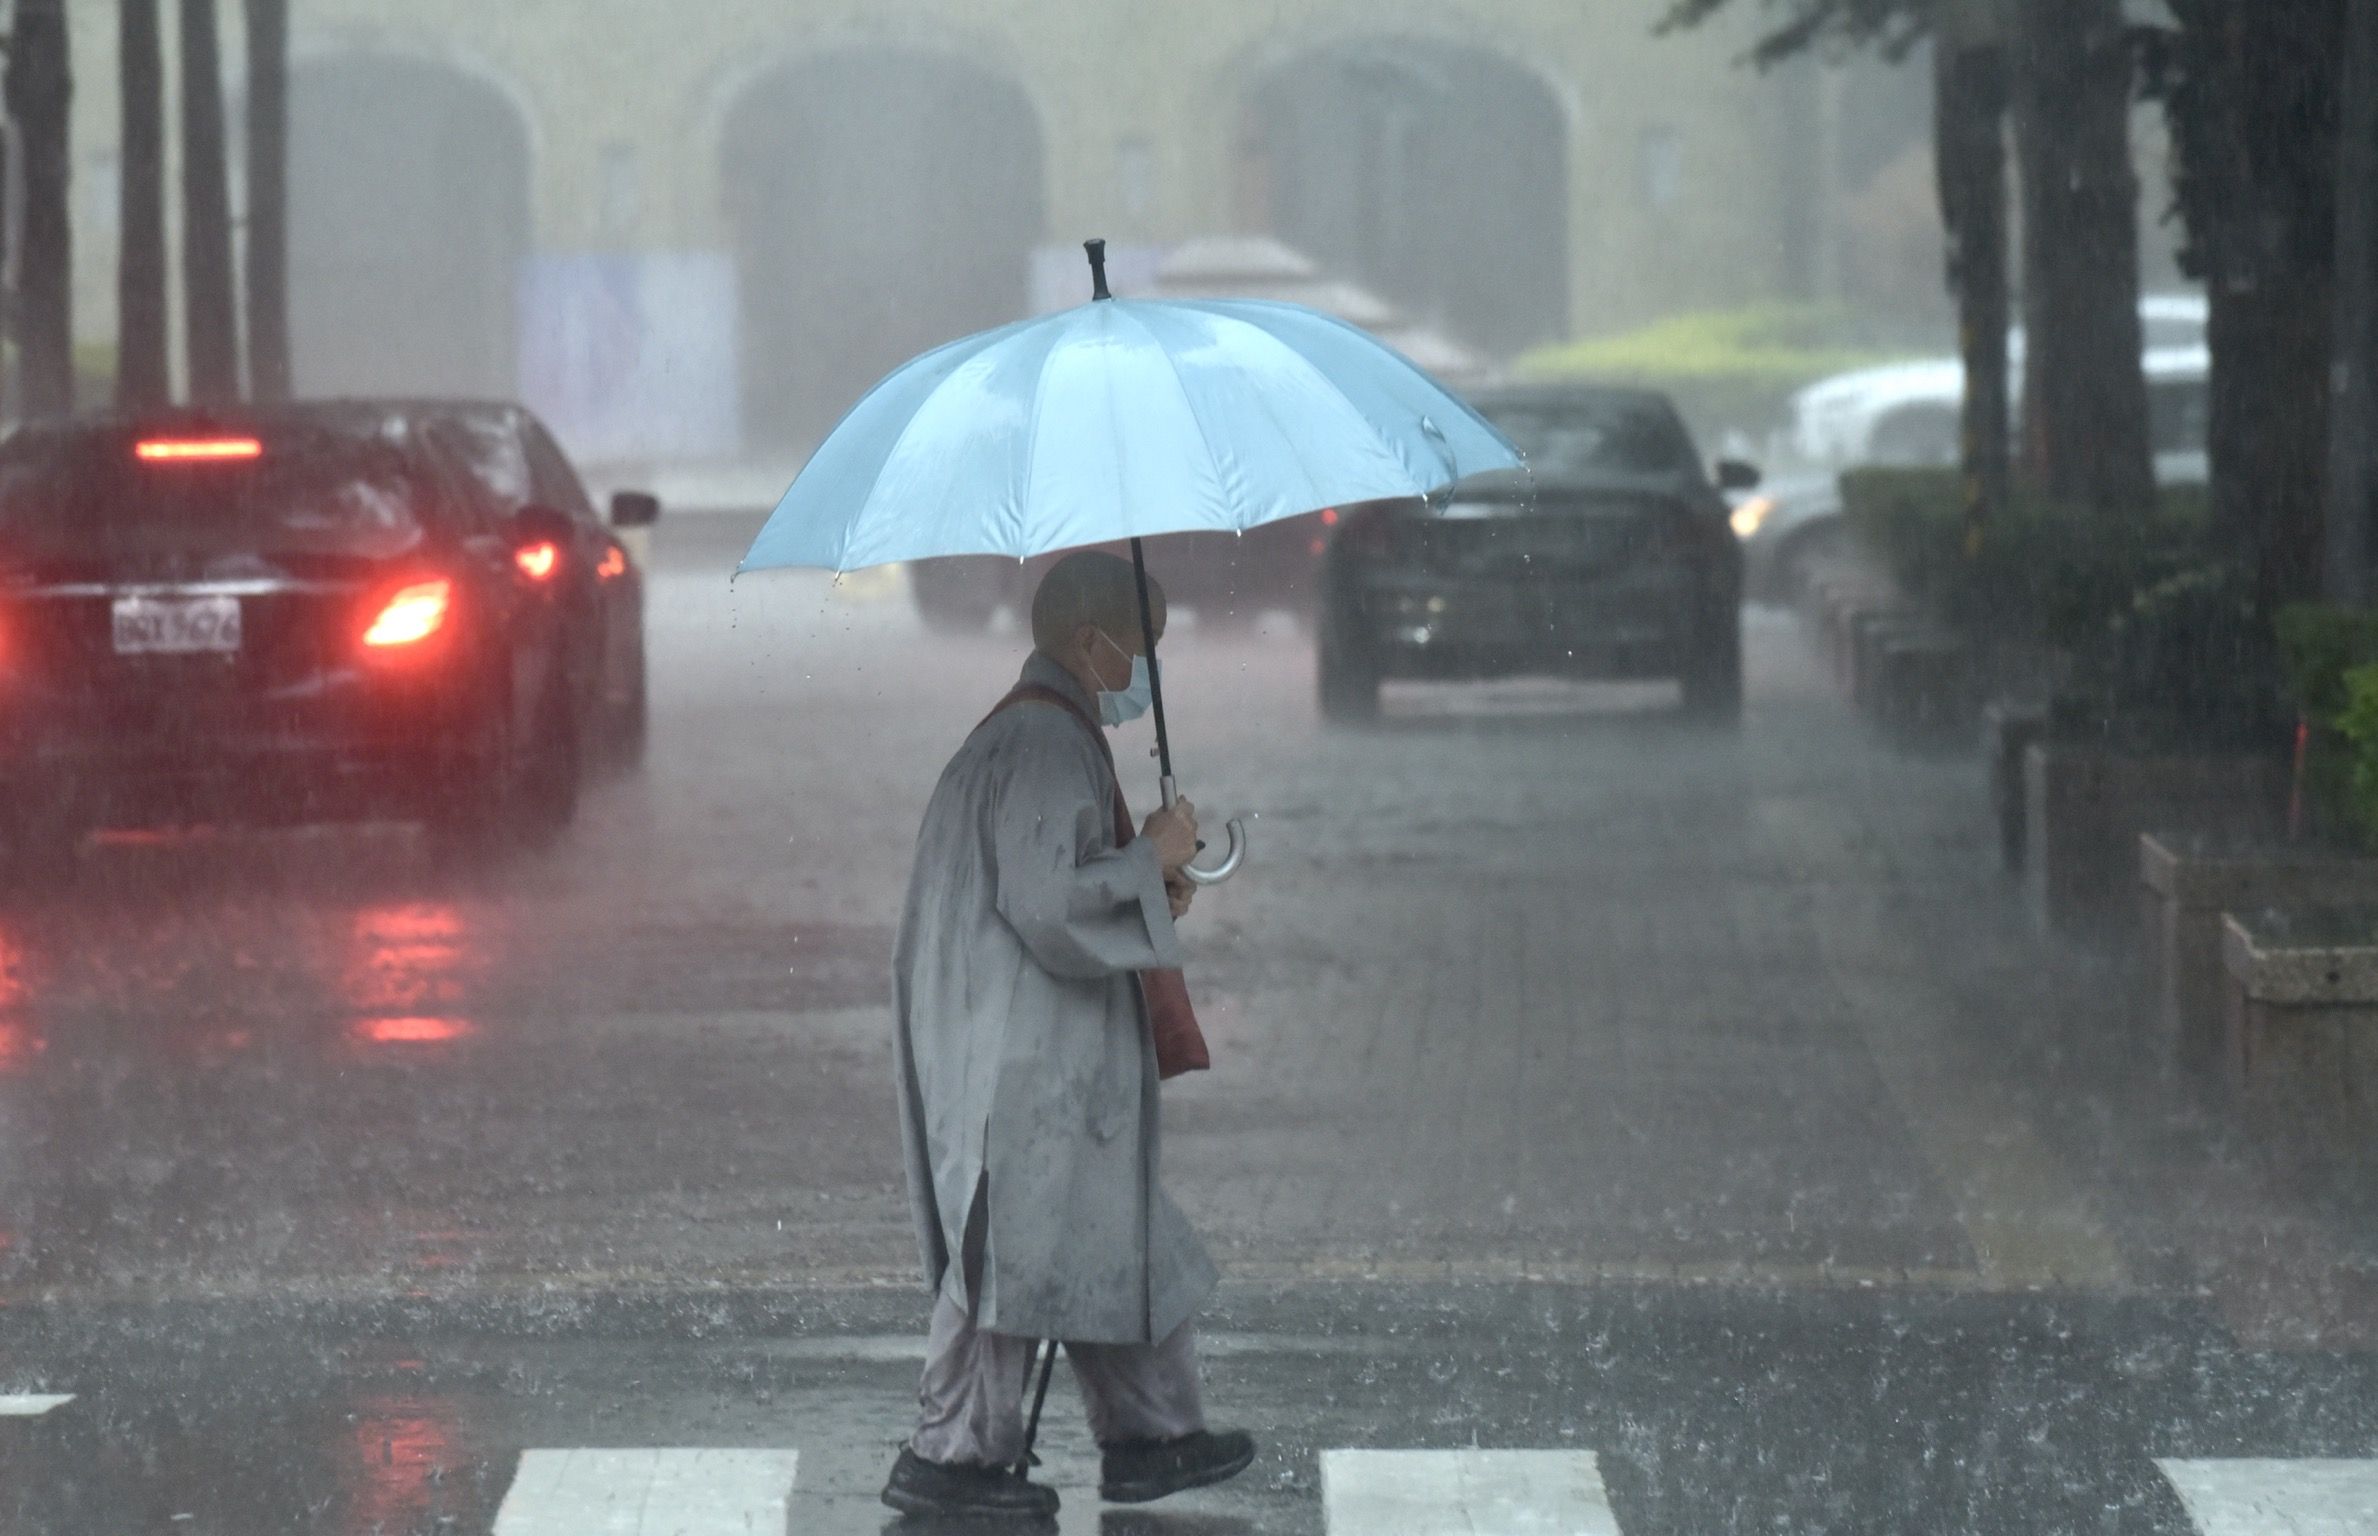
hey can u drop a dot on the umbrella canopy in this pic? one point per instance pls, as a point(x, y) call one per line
point(1117, 420)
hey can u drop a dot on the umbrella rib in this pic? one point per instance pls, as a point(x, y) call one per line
point(981, 346)
point(1414, 374)
point(1188, 401)
point(1295, 445)
point(1021, 541)
point(1263, 402)
point(1302, 360)
point(973, 347)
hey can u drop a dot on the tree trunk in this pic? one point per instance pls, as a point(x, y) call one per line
point(1970, 150)
point(40, 91)
point(2085, 437)
point(143, 370)
point(268, 198)
point(2353, 422)
point(212, 305)
point(2256, 129)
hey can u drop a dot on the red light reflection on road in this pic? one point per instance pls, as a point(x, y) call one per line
point(19, 1042)
point(12, 972)
point(407, 969)
point(419, 1031)
point(399, 1457)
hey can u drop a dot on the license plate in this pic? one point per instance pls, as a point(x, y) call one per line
point(176, 626)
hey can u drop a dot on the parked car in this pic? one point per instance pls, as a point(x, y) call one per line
point(1794, 522)
point(300, 614)
point(1908, 413)
point(1610, 557)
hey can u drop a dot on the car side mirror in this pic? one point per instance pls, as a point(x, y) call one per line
point(634, 509)
point(1734, 475)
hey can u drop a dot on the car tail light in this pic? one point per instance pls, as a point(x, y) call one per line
point(538, 561)
point(614, 564)
point(196, 450)
point(412, 615)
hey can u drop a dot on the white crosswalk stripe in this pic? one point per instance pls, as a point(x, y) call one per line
point(1472, 1493)
point(648, 1492)
point(717, 1491)
point(31, 1405)
point(2269, 1497)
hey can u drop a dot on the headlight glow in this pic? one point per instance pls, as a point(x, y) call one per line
point(1752, 515)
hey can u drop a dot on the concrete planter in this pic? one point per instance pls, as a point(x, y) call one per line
point(2086, 805)
point(2188, 882)
point(2301, 1046)
point(2009, 728)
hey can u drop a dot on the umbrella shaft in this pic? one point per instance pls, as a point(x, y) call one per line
point(1147, 630)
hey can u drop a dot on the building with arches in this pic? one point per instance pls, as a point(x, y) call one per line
point(484, 195)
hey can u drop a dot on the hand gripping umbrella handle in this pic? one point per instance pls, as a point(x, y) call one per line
point(1230, 861)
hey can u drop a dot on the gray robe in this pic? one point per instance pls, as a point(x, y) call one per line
point(1023, 1046)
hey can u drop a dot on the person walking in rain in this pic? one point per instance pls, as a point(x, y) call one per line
point(1028, 1079)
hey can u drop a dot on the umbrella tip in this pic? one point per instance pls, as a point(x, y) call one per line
point(1097, 251)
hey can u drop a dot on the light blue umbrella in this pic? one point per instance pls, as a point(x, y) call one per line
point(1123, 419)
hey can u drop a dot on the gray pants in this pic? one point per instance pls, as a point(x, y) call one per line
point(972, 1395)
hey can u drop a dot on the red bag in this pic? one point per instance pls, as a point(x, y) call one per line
point(1172, 1021)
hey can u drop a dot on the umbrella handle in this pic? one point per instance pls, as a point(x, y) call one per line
point(1231, 861)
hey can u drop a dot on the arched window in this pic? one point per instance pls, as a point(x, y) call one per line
point(882, 201)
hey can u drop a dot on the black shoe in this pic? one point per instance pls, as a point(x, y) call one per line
point(1135, 1471)
point(921, 1487)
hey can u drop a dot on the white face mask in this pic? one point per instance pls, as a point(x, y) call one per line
point(1132, 702)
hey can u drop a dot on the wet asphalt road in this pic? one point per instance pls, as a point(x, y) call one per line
point(1709, 1409)
point(1585, 1081)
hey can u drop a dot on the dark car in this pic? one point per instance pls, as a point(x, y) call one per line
point(305, 614)
point(1609, 557)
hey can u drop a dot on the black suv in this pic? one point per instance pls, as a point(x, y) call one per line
point(302, 614)
point(1610, 556)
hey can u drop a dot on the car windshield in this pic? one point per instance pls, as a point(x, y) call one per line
point(1594, 437)
point(315, 496)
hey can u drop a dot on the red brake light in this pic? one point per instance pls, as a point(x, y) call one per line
point(539, 560)
point(201, 450)
point(414, 614)
point(1329, 517)
point(615, 564)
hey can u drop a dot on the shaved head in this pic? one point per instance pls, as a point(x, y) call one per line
point(1092, 588)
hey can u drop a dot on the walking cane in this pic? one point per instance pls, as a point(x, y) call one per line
point(1040, 1396)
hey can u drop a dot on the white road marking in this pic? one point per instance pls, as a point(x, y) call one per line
point(1464, 1493)
point(647, 1492)
point(31, 1405)
point(2256, 1497)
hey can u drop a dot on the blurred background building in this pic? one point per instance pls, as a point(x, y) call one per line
point(693, 231)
